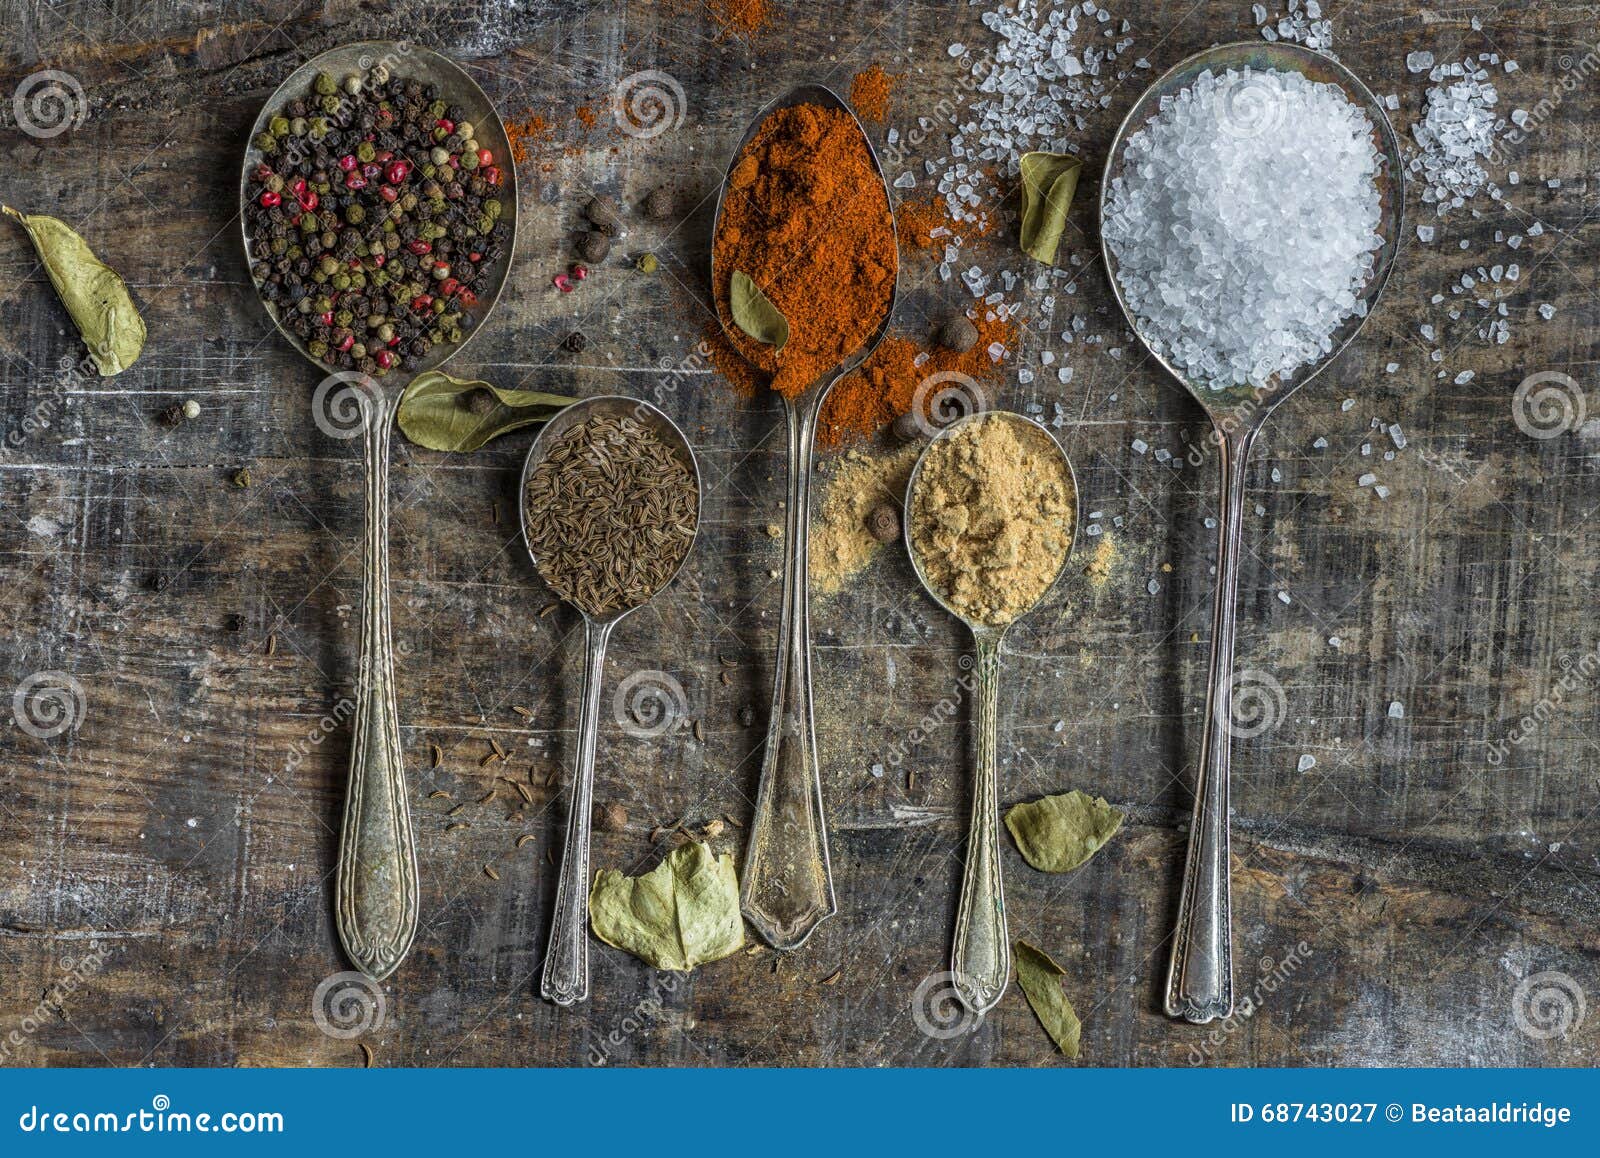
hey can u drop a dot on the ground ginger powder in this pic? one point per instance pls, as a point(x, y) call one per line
point(991, 517)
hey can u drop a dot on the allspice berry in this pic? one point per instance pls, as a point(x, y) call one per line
point(611, 817)
point(906, 428)
point(576, 342)
point(883, 523)
point(958, 334)
point(593, 247)
point(602, 214)
point(659, 205)
point(479, 401)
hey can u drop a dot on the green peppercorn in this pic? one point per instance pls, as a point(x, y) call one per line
point(298, 127)
point(318, 349)
point(267, 143)
point(329, 239)
point(352, 84)
point(407, 203)
point(318, 128)
point(464, 130)
point(328, 265)
point(325, 85)
point(358, 350)
point(329, 104)
point(365, 151)
point(341, 282)
point(437, 109)
point(385, 332)
point(278, 126)
point(469, 160)
point(355, 215)
point(343, 318)
point(438, 155)
point(358, 280)
point(324, 304)
point(280, 246)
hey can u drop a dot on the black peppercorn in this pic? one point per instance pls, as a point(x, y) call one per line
point(659, 205)
point(575, 342)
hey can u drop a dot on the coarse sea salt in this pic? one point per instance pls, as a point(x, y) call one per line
point(1244, 224)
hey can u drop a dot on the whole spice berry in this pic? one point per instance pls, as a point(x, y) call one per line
point(602, 213)
point(957, 333)
point(593, 247)
point(883, 523)
point(579, 272)
point(907, 428)
point(562, 283)
point(575, 342)
point(659, 205)
point(648, 263)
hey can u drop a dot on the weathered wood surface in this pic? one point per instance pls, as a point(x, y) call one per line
point(181, 838)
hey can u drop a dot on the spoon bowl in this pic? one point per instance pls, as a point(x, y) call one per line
point(787, 888)
point(565, 980)
point(980, 958)
point(1200, 977)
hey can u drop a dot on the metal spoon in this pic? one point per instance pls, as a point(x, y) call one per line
point(1200, 980)
point(376, 894)
point(566, 964)
point(980, 958)
point(788, 882)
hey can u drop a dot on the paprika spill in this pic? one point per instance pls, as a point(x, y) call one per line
point(808, 219)
point(869, 93)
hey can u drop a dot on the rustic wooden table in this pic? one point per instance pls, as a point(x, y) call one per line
point(165, 861)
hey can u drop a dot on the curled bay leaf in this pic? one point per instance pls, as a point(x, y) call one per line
point(1058, 833)
point(682, 913)
point(94, 294)
point(754, 313)
point(445, 413)
point(1040, 979)
point(1048, 182)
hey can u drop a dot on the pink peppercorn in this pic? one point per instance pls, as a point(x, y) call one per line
point(561, 283)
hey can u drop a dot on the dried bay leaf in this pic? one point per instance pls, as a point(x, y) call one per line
point(93, 293)
point(437, 411)
point(1048, 182)
point(754, 314)
point(1056, 834)
point(1040, 979)
point(682, 913)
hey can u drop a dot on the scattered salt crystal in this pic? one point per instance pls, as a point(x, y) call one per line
point(1347, 404)
point(1305, 763)
point(1418, 61)
point(957, 48)
point(1366, 480)
point(1397, 436)
point(1391, 367)
point(1334, 641)
point(1140, 446)
point(1320, 444)
point(1425, 234)
point(1547, 311)
point(1397, 710)
point(1381, 491)
point(1153, 587)
point(1283, 597)
point(1464, 377)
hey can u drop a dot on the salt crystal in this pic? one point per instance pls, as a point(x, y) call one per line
point(1139, 446)
point(1152, 587)
point(1283, 597)
point(1415, 61)
point(1397, 710)
point(1425, 234)
point(1347, 404)
point(1305, 763)
point(957, 48)
point(1366, 480)
point(1464, 377)
point(1547, 311)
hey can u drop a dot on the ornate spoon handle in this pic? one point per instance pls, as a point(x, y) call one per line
point(376, 893)
point(1200, 980)
point(981, 958)
point(566, 964)
point(788, 884)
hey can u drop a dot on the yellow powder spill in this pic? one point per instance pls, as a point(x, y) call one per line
point(840, 543)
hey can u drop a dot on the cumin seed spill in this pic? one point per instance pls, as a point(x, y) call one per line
point(611, 514)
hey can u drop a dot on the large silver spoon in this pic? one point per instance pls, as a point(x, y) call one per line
point(980, 957)
point(377, 889)
point(788, 882)
point(1200, 979)
point(566, 964)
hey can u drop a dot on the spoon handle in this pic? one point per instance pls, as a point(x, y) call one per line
point(788, 884)
point(1200, 980)
point(376, 893)
point(566, 965)
point(981, 958)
